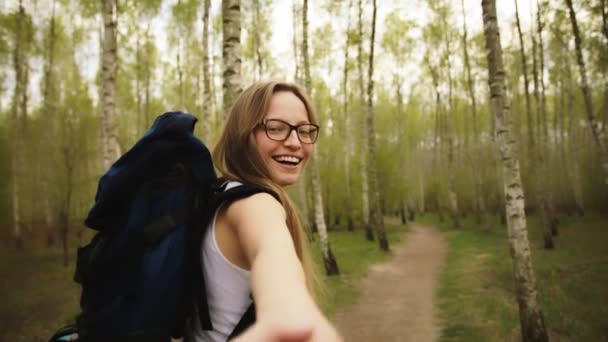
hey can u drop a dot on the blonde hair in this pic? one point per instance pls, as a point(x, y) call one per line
point(236, 156)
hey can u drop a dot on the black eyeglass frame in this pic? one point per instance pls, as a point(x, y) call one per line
point(291, 128)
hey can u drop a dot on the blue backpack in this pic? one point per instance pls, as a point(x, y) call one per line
point(140, 274)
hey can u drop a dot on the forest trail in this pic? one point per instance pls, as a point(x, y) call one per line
point(397, 301)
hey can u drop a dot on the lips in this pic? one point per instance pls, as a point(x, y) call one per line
point(287, 160)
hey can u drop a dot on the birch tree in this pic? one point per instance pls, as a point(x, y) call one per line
point(474, 154)
point(109, 67)
point(594, 126)
point(399, 44)
point(376, 216)
point(329, 261)
point(346, 122)
point(206, 95)
point(231, 51)
point(49, 107)
point(443, 13)
point(21, 28)
point(531, 317)
point(369, 235)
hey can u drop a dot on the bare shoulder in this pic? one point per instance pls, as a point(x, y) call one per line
point(258, 207)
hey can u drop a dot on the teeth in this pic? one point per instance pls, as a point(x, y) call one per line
point(289, 159)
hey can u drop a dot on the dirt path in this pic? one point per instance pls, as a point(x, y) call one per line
point(398, 298)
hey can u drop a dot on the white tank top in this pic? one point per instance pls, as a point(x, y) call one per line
point(228, 289)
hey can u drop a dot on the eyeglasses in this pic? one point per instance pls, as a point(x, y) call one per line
point(279, 130)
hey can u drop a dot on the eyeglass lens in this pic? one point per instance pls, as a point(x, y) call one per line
point(279, 130)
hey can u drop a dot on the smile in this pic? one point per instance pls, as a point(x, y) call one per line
point(288, 160)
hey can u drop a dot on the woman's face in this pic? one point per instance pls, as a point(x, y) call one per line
point(285, 159)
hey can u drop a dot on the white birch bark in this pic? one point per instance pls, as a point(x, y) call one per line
point(347, 127)
point(452, 196)
point(329, 261)
point(594, 126)
point(363, 128)
point(376, 215)
point(231, 51)
point(331, 266)
point(206, 102)
point(18, 127)
point(111, 148)
point(531, 318)
point(475, 153)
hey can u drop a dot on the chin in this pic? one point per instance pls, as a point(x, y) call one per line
point(287, 180)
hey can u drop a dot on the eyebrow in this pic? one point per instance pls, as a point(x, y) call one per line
point(281, 119)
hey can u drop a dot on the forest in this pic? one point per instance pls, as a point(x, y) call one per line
point(465, 111)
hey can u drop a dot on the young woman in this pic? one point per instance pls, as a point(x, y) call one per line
point(257, 243)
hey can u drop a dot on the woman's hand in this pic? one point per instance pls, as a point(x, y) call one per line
point(262, 332)
point(285, 310)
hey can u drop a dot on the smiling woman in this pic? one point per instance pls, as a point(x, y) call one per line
point(257, 243)
point(285, 153)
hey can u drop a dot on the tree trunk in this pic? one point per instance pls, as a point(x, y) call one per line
point(257, 40)
point(231, 51)
point(592, 123)
point(48, 109)
point(539, 161)
point(331, 266)
point(452, 196)
point(531, 317)
point(296, 56)
point(475, 162)
point(369, 234)
point(111, 148)
point(19, 115)
point(524, 67)
point(376, 215)
point(574, 146)
point(604, 10)
point(329, 260)
point(141, 122)
point(147, 81)
point(347, 129)
point(206, 102)
point(180, 77)
point(64, 215)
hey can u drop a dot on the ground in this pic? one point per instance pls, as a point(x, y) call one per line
point(397, 301)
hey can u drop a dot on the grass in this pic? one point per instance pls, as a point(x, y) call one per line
point(38, 295)
point(477, 296)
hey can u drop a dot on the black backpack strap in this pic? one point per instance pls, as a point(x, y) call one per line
point(221, 195)
point(246, 321)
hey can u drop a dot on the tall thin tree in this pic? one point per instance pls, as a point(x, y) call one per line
point(369, 234)
point(206, 96)
point(474, 157)
point(376, 216)
point(109, 67)
point(594, 126)
point(346, 122)
point(329, 260)
point(531, 317)
point(231, 51)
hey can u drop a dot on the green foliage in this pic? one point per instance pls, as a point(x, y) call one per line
point(477, 295)
point(397, 39)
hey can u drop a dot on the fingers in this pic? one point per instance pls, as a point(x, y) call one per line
point(267, 334)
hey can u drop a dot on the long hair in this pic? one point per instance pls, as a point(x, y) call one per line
point(236, 156)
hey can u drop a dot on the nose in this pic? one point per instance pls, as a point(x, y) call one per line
point(292, 139)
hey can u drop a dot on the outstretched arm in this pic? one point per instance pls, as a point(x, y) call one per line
point(284, 307)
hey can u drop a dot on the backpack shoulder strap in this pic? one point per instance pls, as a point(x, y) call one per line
point(221, 195)
point(246, 321)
